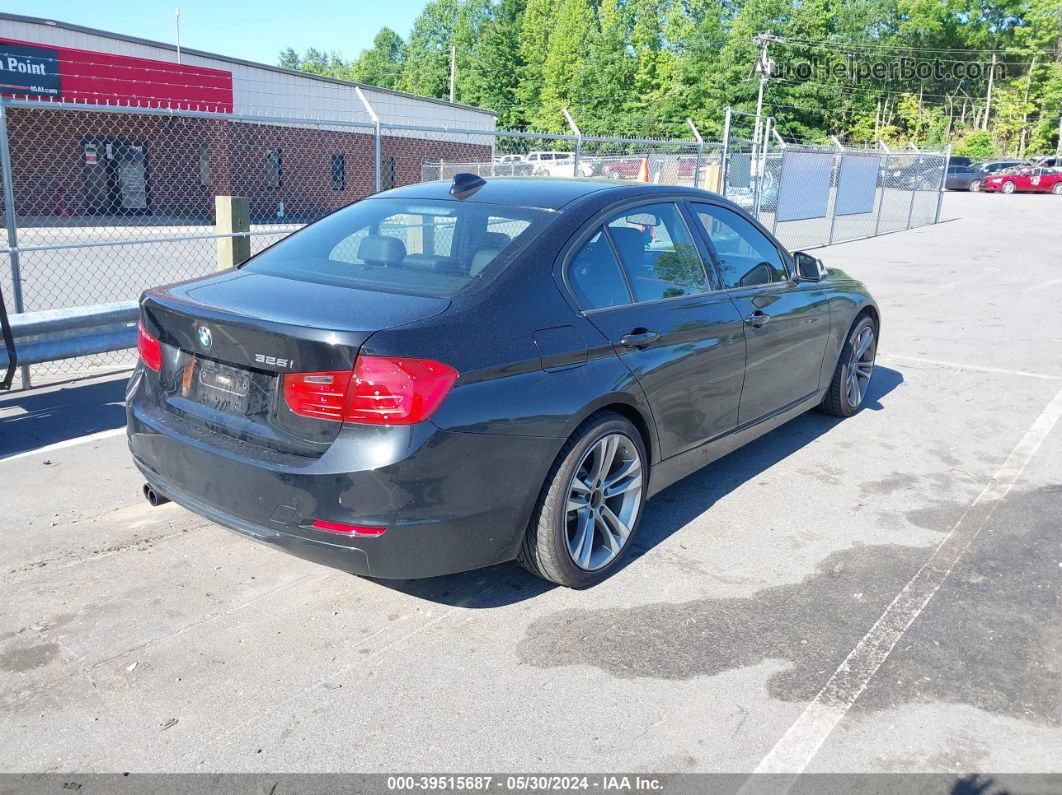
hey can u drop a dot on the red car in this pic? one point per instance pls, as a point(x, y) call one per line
point(626, 168)
point(1027, 180)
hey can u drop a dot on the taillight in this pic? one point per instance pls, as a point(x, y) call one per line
point(381, 390)
point(389, 390)
point(319, 395)
point(150, 349)
point(348, 529)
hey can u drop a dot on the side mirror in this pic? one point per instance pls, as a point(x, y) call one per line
point(808, 268)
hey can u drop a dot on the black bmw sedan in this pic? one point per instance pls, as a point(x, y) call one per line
point(450, 375)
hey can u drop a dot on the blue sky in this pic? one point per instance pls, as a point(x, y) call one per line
point(256, 30)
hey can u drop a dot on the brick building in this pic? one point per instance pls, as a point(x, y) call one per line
point(146, 131)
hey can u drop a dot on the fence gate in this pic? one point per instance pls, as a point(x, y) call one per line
point(816, 195)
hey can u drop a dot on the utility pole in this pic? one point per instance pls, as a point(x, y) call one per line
point(988, 97)
point(453, 71)
point(763, 69)
point(178, 34)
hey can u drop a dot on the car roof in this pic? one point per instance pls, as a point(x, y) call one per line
point(546, 193)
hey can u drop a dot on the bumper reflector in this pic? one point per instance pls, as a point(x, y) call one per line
point(348, 529)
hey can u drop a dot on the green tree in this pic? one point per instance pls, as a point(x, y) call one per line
point(383, 64)
point(641, 67)
point(606, 104)
point(978, 145)
point(492, 77)
point(564, 64)
point(427, 70)
point(535, 27)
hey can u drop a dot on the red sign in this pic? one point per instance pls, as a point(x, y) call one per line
point(60, 73)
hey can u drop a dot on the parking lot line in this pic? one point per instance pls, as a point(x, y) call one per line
point(92, 437)
point(802, 741)
point(900, 359)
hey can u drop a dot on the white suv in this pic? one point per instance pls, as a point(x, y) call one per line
point(556, 164)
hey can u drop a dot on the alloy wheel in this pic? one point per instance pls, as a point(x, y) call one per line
point(604, 498)
point(975, 186)
point(860, 366)
point(1008, 187)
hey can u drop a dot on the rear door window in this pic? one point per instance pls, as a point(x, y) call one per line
point(657, 252)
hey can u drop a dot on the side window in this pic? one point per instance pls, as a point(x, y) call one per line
point(388, 173)
point(204, 164)
point(658, 252)
point(746, 257)
point(595, 277)
point(339, 172)
point(274, 168)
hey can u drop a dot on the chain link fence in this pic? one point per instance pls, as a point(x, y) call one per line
point(664, 162)
point(817, 195)
point(102, 202)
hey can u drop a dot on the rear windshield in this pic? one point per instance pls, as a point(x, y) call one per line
point(434, 248)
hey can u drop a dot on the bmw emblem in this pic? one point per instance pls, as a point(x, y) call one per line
point(204, 336)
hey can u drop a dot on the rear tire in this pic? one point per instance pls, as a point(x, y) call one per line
point(605, 454)
point(1057, 189)
point(848, 388)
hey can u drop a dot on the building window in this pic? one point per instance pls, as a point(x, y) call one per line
point(339, 172)
point(204, 164)
point(274, 168)
point(387, 178)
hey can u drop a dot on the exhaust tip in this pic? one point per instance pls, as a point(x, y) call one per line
point(153, 497)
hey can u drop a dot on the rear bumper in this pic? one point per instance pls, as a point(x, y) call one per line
point(450, 501)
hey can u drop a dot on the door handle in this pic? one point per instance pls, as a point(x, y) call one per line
point(757, 318)
point(639, 338)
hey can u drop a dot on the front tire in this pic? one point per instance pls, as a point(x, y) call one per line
point(975, 186)
point(855, 366)
point(1008, 187)
point(590, 505)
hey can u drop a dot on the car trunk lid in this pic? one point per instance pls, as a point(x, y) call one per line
point(229, 339)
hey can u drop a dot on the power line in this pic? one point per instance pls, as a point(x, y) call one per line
point(865, 45)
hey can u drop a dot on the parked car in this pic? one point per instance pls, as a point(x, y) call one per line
point(989, 167)
point(1046, 161)
point(962, 178)
point(412, 404)
point(745, 197)
point(623, 167)
point(555, 164)
point(510, 166)
point(1025, 180)
point(917, 175)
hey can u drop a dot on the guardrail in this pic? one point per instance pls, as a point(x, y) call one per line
point(54, 334)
